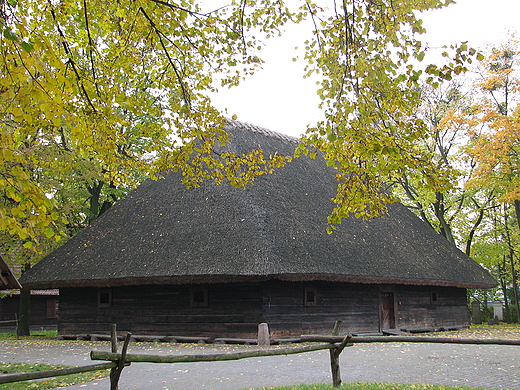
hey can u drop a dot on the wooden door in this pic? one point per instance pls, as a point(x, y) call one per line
point(387, 310)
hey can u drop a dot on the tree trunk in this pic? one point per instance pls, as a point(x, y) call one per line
point(25, 313)
point(445, 228)
point(517, 211)
point(96, 209)
point(473, 230)
point(515, 286)
point(503, 286)
point(512, 261)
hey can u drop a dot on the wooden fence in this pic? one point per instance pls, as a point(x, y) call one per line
point(118, 361)
point(335, 344)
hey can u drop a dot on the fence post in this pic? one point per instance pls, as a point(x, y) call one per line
point(263, 335)
point(334, 358)
point(113, 337)
point(115, 373)
point(475, 311)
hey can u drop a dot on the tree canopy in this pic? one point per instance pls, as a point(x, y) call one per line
point(103, 92)
point(495, 140)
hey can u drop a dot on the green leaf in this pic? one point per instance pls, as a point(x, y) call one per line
point(26, 46)
point(48, 232)
point(8, 34)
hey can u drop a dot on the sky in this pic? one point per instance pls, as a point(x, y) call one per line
point(279, 99)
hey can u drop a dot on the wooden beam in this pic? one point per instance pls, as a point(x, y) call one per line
point(9, 378)
point(334, 357)
point(115, 374)
point(408, 339)
point(135, 358)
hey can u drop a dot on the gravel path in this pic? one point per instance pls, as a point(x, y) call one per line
point(484, 366)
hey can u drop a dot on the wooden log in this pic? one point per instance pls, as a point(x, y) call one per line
point(263, 335)
point(409, 339)
point(113, 347)
point(181, 339)
point(9, 378)
point(135, 358)
point(334, 358)
point(113, 337)
point(287, 341)
point(334, 361)
point(8, 321)
point(226, 340)
point(121, 362)
point(149, 338)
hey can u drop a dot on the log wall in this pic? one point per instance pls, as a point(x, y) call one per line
point(287, 315)
point(10, 309)
point(235, 310)
point(415, 308)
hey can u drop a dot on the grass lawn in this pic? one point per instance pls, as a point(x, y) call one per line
point(46, 383)
point(41, 334)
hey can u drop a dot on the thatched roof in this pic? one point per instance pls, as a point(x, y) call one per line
point(7, 279)
point(163, 233)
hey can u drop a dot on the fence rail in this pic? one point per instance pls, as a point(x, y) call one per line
point(408, 339)
point(218, 357)
point(8, 321)
point(9, 378)
point(335, 344)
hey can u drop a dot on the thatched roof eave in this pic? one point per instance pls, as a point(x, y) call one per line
point(164, 233)
point(7, 278)
point(213, 279)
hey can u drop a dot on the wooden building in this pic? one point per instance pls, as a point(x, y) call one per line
point(7, 279)
point(43, 306)
point(217, 261)
point(43, 310)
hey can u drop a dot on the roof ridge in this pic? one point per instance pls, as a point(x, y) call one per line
point(234, 124)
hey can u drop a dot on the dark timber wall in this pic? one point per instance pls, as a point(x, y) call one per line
point(415, 308)
point(288, 315)
point(42, 311)
point(236, 309)
point(232, 310)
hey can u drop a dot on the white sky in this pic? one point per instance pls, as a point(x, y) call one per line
point(278, 98)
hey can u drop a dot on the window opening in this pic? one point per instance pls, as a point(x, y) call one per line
point(434, 297)
point(310, 296)
point(52, 309)
point(199, 297)
point(105, 298)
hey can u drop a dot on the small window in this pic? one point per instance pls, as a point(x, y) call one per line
point(51, 309)
point(434, 297)
point(105, 298)
point(198, 297)
point(310, 297)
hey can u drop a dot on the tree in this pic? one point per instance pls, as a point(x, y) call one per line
point(440, 110)
point(124, 86)
point(109, 84)
point(457, 214)
point(494, 146)
point(495, 141)
point(371, 93)
point(494, 248)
